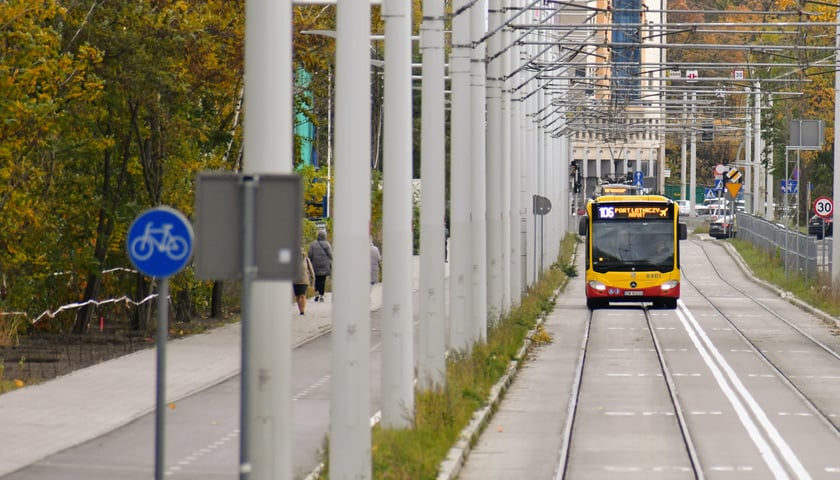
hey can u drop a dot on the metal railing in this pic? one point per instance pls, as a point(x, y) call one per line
point(798, 251)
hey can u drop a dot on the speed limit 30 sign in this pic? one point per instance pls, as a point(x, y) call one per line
point(823, 207)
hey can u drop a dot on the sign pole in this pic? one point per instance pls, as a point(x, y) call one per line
point(159, 244)
point(160, 403)
point(249, 274)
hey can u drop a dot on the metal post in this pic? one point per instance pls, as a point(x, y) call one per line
point(397, 385)
point(249, 276)
point(160, 400)
point(432, 355)
point(350, 436)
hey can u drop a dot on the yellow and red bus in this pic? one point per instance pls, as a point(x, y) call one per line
point(632, 250)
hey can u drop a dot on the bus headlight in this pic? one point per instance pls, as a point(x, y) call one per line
point(596, 285)
point(669, 285)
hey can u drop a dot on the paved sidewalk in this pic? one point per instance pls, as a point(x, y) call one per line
point(41, 420)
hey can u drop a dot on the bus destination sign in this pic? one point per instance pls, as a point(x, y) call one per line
point(635, 212)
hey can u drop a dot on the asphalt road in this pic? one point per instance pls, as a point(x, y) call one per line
point(735, 383)
point(202, 431)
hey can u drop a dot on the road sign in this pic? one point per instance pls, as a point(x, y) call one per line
point(691, 75)
point(709, 193)
point(733, 175)
point(720, 169)
point(789, 186)
point(160, 242)
point(824, 207)
point(271, 212)
point(738, 74)
point(718, 184)
point(638, 178)
point(733, 188)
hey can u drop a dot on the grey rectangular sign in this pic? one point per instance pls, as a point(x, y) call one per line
point(220, 225)
point(806, 135)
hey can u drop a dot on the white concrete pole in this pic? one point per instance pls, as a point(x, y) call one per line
point(516, 163)
point(693, 172)
point(432, 308)
point(493, 200)
point(542, 182)
point(651, 165)
point(584, 173)
point(397, 385)
point(683, 165)
point(350, 453)
point(597, 164)
point(505, 259)
point(835, 246)
point(758, 146)
point(769, 212)
point(530, 184)
point(267, 440)
point(460, 241)
point(478, 131)
point(747, 186)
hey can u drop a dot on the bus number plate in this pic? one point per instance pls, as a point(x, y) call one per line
point(633, 293)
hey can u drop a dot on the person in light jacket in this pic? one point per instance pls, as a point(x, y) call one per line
point(320, 254)
point(306, 275)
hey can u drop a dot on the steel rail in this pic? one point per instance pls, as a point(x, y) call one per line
point(574, 398)
point(693, 456)
point(782, 376)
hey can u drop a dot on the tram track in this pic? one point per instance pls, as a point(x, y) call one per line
point(788, 379)
point(694, 469)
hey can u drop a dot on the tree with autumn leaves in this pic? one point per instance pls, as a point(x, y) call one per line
point(806, 92)
point(110, 108)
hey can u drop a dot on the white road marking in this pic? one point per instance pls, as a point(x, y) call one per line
point(306, 391)
point(702, 343)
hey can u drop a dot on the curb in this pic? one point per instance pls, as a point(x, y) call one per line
point(457, 456)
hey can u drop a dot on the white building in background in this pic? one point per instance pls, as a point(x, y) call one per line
point(615, 102)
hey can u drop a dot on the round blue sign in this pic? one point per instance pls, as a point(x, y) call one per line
point(160, 242)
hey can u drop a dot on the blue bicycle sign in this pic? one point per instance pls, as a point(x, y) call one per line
point(160, 242)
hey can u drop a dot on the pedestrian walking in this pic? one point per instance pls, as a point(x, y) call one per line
point(320, 254)
point(375, 260)
point(305, 278)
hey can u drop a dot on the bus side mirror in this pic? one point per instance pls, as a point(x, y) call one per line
point(682, 231)
point(583, 226)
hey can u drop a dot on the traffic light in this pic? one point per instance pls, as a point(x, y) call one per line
point(707, 131)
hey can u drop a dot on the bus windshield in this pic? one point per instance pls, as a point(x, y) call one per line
point(633, 245)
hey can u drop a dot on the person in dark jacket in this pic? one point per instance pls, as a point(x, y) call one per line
point(320, 254)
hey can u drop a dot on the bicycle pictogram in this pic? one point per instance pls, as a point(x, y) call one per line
point(161, 240)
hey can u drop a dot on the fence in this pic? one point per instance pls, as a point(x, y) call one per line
point(797, 251)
